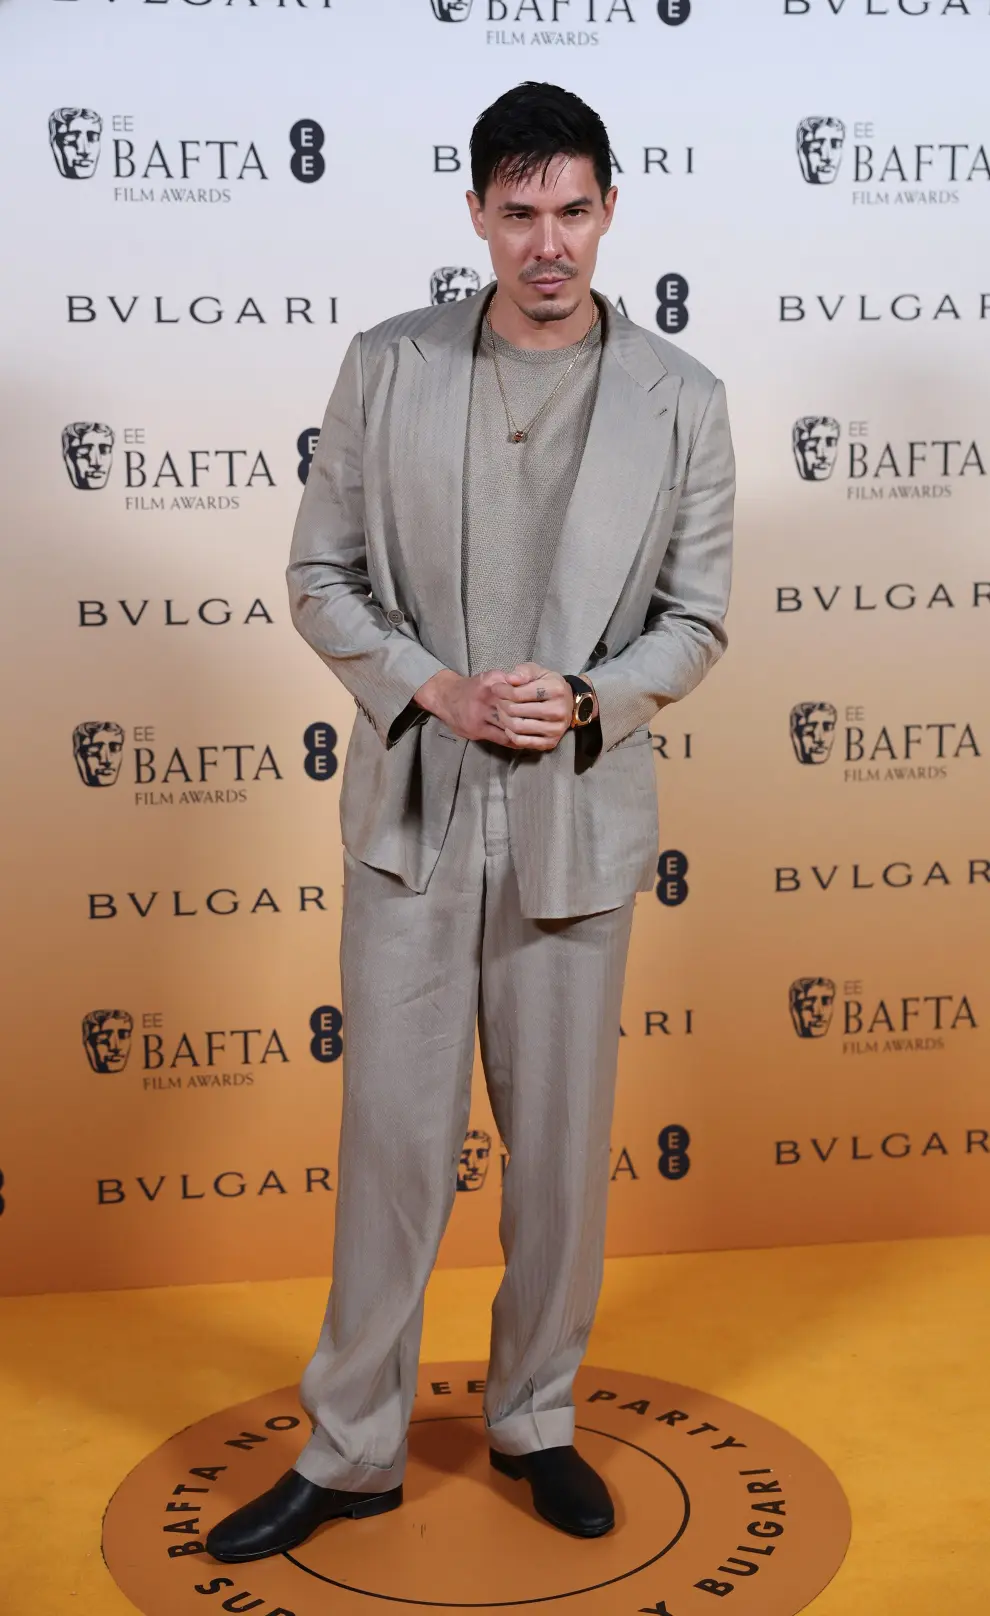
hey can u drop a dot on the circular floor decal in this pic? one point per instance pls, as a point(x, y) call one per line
point(710, 1500)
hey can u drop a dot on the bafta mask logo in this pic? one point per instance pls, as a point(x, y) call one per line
point(74, 136)
point(819, 149)
point(473, 1167)
point(87, 449)
point(815, 441)
point(813, 730)
point(107, 1039)
point(812, 999)
point(98, 748)
point(452, 285)
point(451, 10)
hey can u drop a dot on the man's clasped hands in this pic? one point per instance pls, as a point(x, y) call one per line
point(528, 708)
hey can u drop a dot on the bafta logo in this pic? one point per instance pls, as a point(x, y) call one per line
point(815, 441)
point(87, 449)
point(97, 748)
point(813, 730)
point(812, 999)
point(451, 10)
point(819, 149)
point(107, 1039)
point(452, 285)
point(74, 136)
point(473, 1166)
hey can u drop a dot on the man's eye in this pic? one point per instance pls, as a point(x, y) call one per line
point(574, 213)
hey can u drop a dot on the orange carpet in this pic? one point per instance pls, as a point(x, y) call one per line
point(874, 1355)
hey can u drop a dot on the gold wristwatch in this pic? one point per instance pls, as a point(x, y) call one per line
point(584, 701)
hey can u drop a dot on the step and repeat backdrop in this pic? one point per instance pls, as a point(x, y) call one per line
point(205, 199)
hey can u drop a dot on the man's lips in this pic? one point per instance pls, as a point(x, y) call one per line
point(549, 283)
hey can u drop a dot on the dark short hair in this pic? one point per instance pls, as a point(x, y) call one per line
point(530, 125)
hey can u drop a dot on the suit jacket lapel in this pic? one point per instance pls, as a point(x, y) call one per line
point(615, 491)
point(427, 444)
point(614, 494)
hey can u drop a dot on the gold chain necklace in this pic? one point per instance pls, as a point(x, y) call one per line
point(519, 434)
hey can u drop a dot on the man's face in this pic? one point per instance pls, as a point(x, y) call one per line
point(820, 151)
point(814, 733)
point(816, 446)
point(474, 1161)
point(76, 147)
point(88, 458)
point(108, 1044)
point(543, 234)
point(98, 755)
point(451, 10)
point(812, 1008)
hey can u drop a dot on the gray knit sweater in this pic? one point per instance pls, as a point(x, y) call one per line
point(515, 494)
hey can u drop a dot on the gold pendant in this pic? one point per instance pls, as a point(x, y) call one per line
point(518, 437)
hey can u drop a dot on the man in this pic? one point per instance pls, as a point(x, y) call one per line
point(513, 549)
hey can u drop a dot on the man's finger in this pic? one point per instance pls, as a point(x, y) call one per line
point(535, 734)
point(558, 690)
point(533, 719)
point(526, 672)
point(551, 711)
point(536, 743)
point(533, 726)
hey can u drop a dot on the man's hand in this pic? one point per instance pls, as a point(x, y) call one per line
point(538, 713)
point(528, 709)
point(467, 705)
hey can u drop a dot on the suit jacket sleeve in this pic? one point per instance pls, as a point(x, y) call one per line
point(684, 633)
point(330, 593)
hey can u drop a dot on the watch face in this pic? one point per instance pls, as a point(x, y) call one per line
point(584, 708)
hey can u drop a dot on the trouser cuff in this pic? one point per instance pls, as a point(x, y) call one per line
point(524, 1433)
point(320, 1463)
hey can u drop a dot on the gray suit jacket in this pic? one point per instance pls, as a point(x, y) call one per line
point(637, 598)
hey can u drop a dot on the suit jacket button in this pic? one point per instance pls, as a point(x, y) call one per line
point(601, 649)
point(394, 616)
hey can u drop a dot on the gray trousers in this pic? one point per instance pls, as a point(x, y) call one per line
point(418, 970)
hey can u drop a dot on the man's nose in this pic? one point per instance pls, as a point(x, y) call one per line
point(548, 238)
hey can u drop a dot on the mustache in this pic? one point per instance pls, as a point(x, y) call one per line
point(538, 272)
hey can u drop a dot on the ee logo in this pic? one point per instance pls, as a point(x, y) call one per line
point(672, 888)
point(672, 310)
point(673, 1161)
point(321, 759)
point(673, 12)
point(305, 449)
point(307, 162)
point(326, 1024)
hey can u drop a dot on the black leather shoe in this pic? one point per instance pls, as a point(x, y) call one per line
point(285, 1516)
point(566, 1491)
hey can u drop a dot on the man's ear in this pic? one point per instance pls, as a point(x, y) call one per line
point(611, 197)
point(476, 210)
